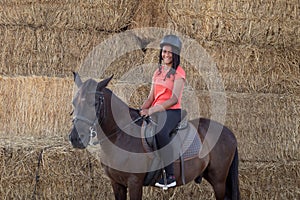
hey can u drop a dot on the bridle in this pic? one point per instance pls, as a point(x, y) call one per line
point(99, 103)
point(93, 123)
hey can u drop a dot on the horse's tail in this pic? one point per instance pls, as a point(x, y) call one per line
point(232, 181)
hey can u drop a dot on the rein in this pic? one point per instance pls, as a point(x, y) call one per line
point(115, 132)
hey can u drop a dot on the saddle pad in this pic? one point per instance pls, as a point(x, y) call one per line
point(187, 140)
point(192, 142)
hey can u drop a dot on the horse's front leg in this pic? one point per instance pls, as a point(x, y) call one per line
point(136, 193)
point(120, 191)
point(135, 189)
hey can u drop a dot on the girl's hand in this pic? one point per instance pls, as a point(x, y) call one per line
point(144, 112)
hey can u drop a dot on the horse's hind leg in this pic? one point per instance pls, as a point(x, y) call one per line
point(218, 183)
point(120, 191)
point(219, 189)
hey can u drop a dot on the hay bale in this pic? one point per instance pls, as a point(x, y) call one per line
point(258, 180)
point(35, 105)
point(41, 106)
point(273, 23)
point(45, 52)
point(61, 51)
point(70, 173)
point(54, 52)
point(17, 50)
point(110, 16)
point(49, 168)
point(249, 68)
point(149, 14)
point(21, 14)
point(119, 54)
point(266, 126)
point(270, 180)
point(17, 172)
point(123, 65)
point(64, 172)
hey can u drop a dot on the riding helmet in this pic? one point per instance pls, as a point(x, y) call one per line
point(172, 40)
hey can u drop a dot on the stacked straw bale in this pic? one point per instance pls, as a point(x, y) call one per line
point(150, 14)
point(35, 105)
point(17, 47)
point(54, 38)
point(48, 168)
point(261, 23)
point(104, 15)
point(61, 51)
point(253, 69)
point(45, 52)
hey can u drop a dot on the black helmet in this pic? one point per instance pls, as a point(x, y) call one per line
point(172, 40)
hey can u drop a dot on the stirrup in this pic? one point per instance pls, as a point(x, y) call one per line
point(165, 182)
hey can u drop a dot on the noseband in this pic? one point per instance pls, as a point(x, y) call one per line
point(99, 104)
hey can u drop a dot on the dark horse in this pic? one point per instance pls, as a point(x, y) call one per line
point(100, 114)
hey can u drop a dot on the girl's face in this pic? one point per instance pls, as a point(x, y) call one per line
point(167, 55)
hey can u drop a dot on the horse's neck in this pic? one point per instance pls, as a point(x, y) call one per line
point(117, 117)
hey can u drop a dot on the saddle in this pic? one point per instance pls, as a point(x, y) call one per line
point(184, 136)
point(149, 129)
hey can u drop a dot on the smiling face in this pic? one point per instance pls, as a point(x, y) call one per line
point(167, 55)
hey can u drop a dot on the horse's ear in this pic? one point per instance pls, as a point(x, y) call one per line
point(104, 83)
point(77, 79)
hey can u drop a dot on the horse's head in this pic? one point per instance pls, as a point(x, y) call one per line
point(88, 108)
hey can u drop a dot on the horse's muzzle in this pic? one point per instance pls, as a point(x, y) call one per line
point(75, 140)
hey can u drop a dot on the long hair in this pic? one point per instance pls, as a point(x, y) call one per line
point(175, 63)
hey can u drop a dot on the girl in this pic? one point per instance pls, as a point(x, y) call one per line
point(164, 99)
